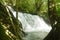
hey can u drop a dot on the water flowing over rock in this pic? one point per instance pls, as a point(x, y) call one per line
point(34, 25)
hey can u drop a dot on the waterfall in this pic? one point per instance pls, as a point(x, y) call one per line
point(33, 25)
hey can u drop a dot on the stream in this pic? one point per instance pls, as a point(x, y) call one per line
point(33, 25)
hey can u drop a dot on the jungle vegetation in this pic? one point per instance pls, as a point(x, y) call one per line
point(11, 28)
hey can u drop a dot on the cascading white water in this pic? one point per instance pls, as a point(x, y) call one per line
point(33, 25)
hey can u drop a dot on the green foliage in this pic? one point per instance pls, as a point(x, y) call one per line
point(8, 25)
point(57, 3)
point(30, 5)
point(27, 5)
point(3, 35)
point(39, 7)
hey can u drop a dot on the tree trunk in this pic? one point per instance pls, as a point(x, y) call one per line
point(55, 32)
